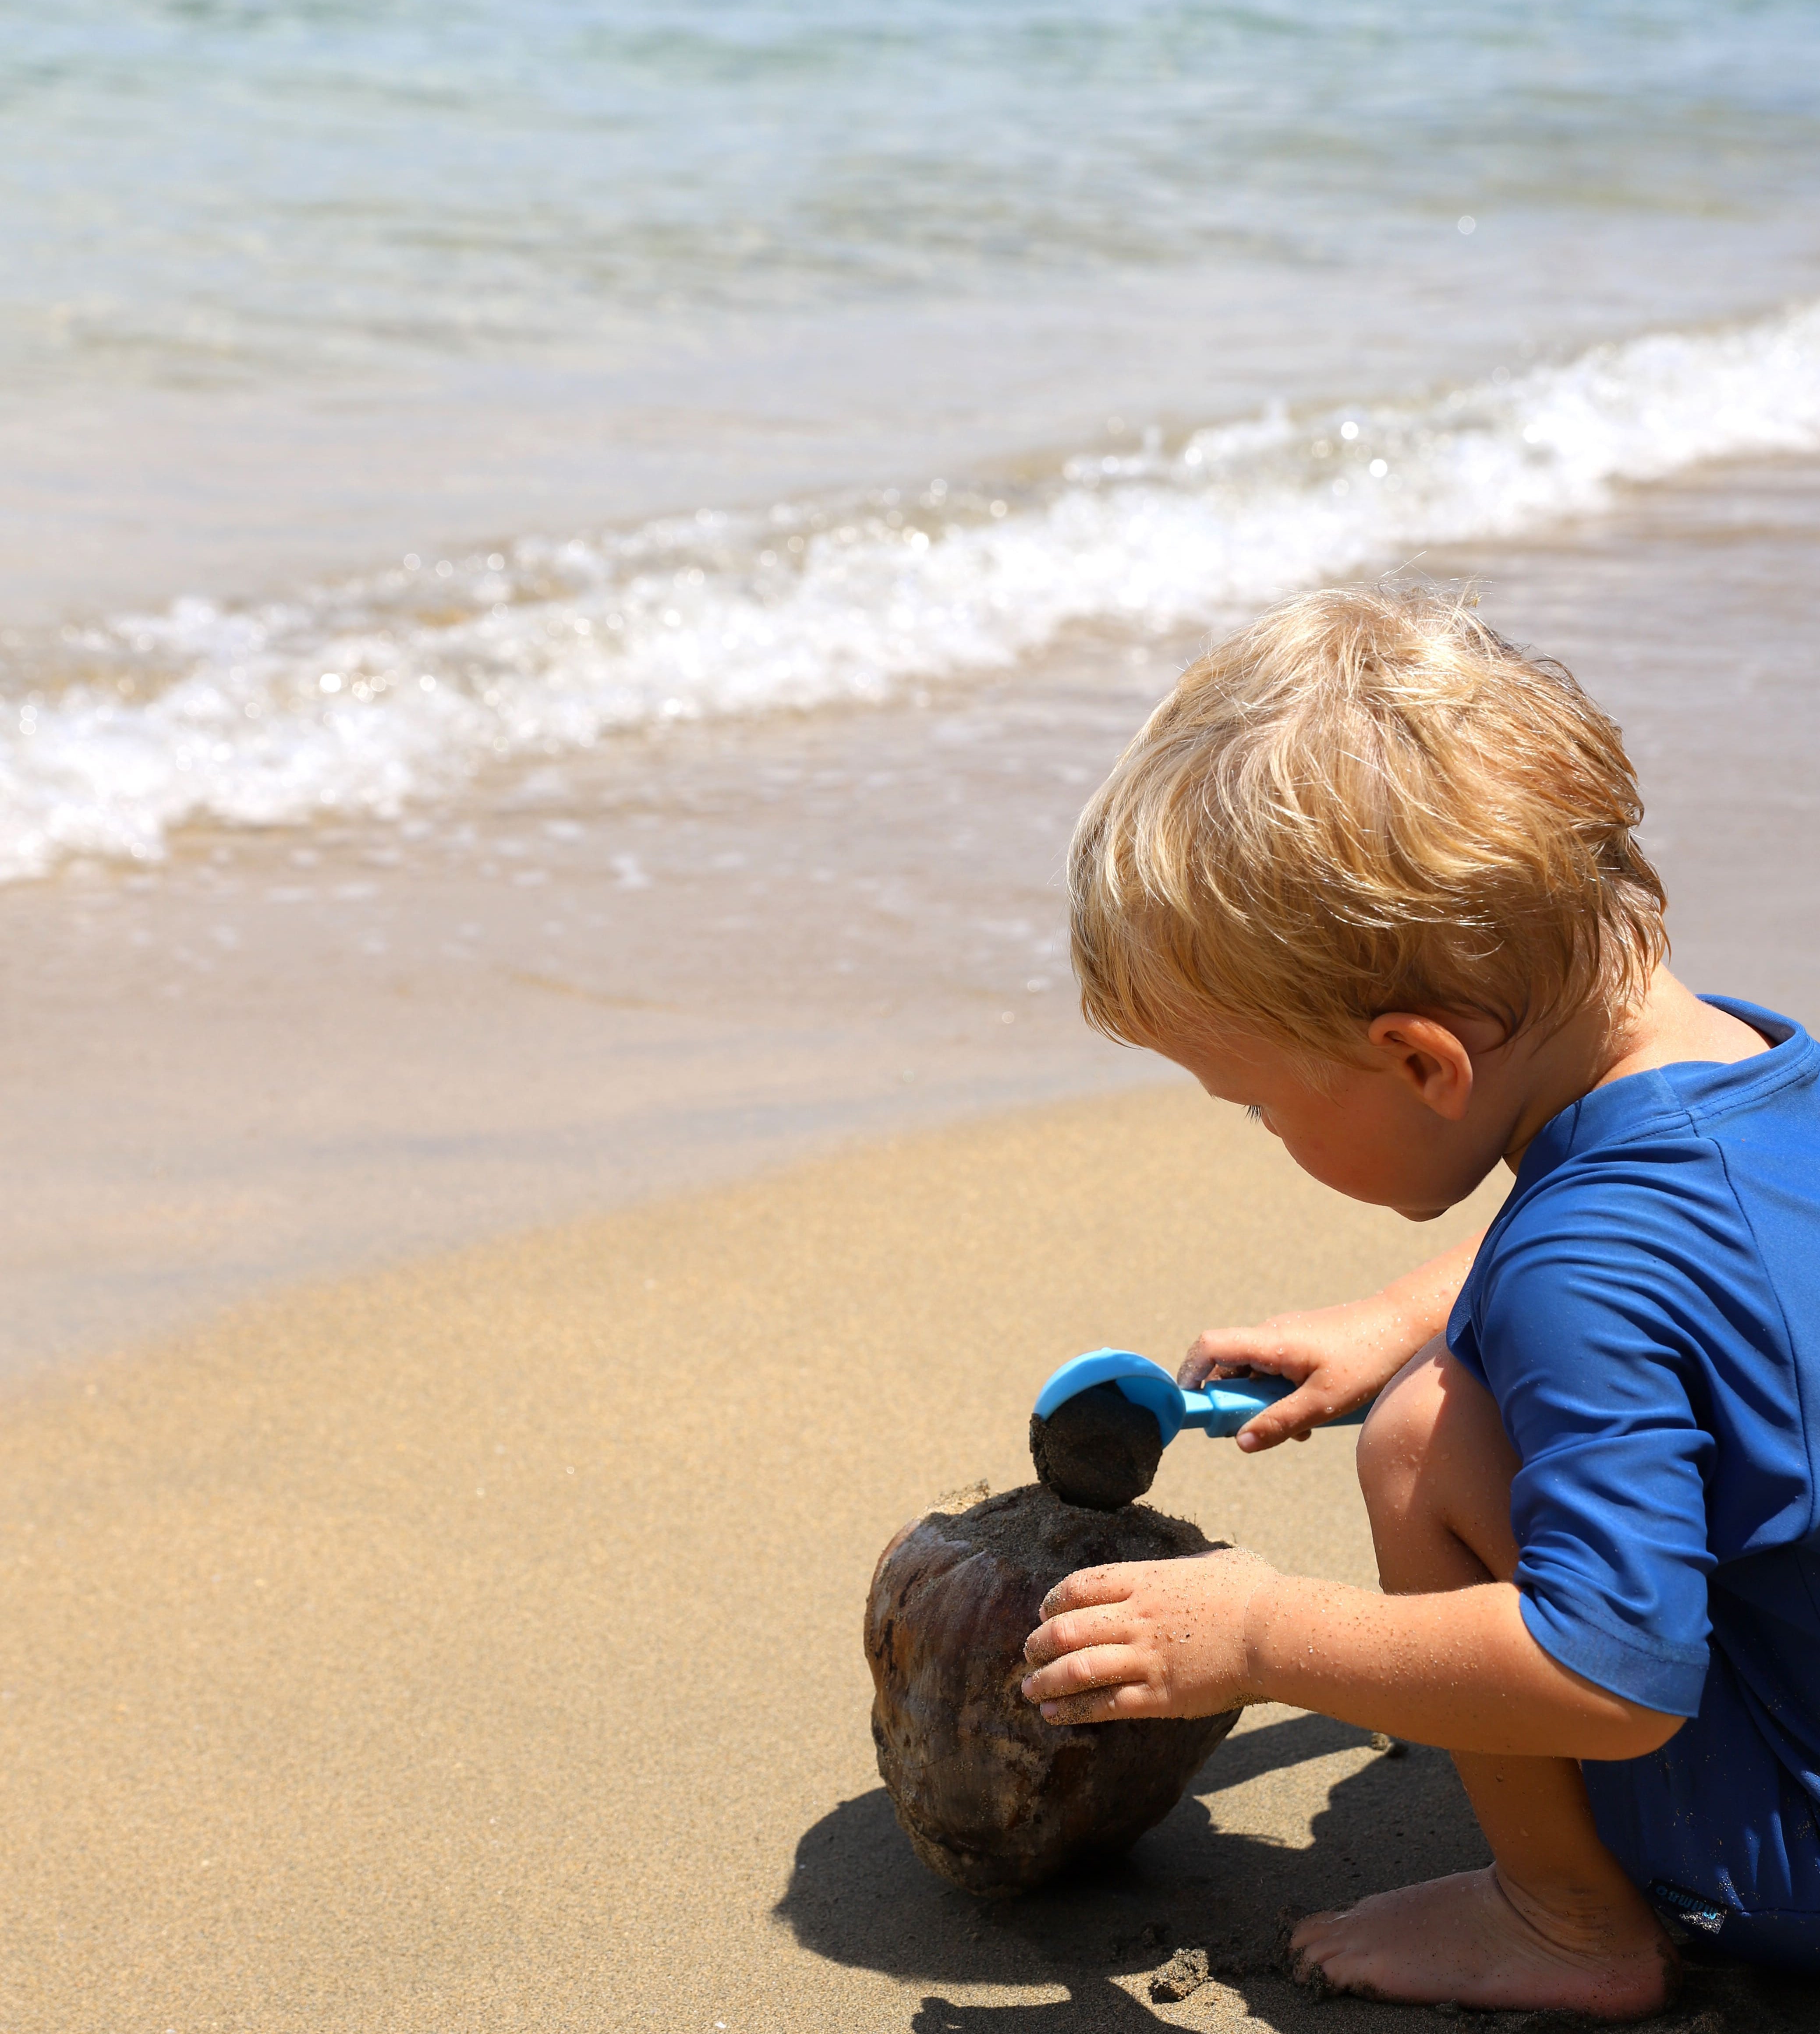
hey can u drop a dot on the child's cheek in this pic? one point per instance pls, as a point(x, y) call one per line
point(1321, 1157)
point(1361, 1172)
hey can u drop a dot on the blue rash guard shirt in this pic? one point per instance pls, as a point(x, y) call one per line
point(1645, 1311)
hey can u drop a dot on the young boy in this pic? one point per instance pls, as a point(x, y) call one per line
point(1369, 871)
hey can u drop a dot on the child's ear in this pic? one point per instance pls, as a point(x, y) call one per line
point(1429, 1057)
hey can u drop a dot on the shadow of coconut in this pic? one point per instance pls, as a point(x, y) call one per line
point(857, 1896)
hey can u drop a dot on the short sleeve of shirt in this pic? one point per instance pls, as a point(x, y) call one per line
point(1645, 1311)
point(1567, 1324)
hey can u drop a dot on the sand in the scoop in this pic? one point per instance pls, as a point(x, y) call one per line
point(1097, 1449)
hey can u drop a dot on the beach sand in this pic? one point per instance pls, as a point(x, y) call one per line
point(477, 1644)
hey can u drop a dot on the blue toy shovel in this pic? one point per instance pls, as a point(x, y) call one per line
point(1219, 1411)
point(1103, 1420)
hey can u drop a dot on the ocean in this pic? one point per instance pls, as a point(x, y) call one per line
point(404, 392)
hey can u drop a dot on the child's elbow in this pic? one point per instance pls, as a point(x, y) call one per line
point(1639, 1731)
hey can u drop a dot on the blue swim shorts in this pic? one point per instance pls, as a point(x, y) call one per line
point(1717, 1832)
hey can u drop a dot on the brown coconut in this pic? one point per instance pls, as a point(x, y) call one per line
point(991, 1795)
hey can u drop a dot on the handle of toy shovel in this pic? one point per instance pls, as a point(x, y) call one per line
point(1232, 1401)
point(1219, 1410)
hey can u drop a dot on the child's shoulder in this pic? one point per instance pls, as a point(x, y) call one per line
point(1675, 1144)
point(1676, 1211)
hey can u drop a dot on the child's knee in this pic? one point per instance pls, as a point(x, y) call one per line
point(1435, 1465)
point(1396, 1441)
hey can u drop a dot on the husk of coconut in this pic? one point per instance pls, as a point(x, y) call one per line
point(991, 1795)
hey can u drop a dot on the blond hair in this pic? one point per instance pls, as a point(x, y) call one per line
point(1366, 802)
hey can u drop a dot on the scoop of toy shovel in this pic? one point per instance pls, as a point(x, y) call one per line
point(1102, 1421)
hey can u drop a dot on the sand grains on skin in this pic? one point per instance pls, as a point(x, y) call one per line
point(1465, 1940)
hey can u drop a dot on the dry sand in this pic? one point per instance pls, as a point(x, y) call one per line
point(478, 1646)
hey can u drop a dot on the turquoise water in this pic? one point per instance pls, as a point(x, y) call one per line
point(1424, 273)
point(250, 190)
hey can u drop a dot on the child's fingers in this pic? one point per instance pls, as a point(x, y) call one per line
point(1074, 1673)
point(1133, 1699)
point(1102, 1624)
point(1217, 1348)
point(1088, 1585)
point(1291, 1419)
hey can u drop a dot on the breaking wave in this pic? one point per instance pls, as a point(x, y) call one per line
point(398, 687)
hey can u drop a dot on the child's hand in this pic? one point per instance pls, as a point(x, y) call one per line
point(1338, 1357)
point(1146, 1638)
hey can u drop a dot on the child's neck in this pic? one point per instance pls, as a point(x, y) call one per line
point(1671, 1026)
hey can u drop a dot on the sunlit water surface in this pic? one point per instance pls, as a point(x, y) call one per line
point(1425, 275)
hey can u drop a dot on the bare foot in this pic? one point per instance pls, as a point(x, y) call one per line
point(1470, 1939)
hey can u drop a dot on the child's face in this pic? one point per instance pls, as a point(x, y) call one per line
point(1404, 1130)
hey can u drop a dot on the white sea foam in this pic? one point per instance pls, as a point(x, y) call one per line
point(398, 687)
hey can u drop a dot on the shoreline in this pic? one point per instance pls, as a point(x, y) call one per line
point(398, 688)
point(128, 496)
point(296, 1054)
point(278, 1057)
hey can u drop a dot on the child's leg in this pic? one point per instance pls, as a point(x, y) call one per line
point(1555, 1922)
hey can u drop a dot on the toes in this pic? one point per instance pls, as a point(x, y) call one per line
point(1308, 1927)
point(1315, 1939)
point(1325, 1954)
point(1304, 1947)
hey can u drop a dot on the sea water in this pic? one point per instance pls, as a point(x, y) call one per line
point(719, 359)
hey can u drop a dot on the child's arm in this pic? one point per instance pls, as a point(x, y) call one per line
point(1339, 1356)
point(1457, 1669)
